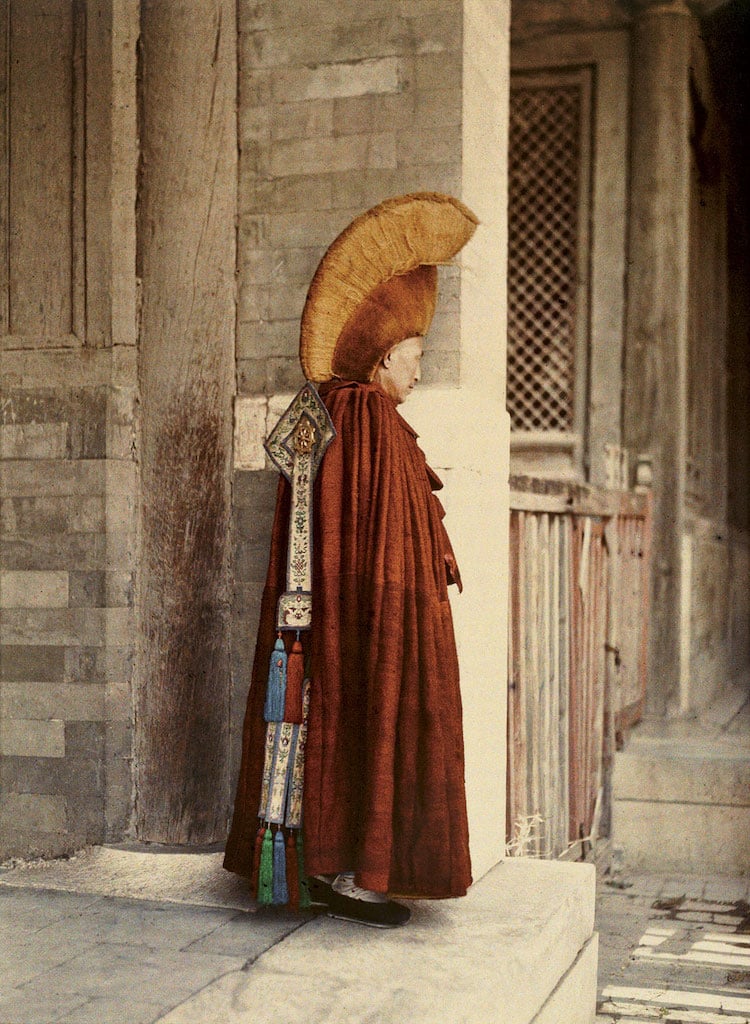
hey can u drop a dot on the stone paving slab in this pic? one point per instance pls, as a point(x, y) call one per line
point(143, 873)
point(77, 958)
point(82, 959)
point(99, 1010)
point(249, 938)
point(674, 949)
point(30, 913)
point(495, 956)
point(156, 926)
point(119, 970)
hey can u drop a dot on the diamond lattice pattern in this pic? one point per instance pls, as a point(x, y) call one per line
point(545, 155)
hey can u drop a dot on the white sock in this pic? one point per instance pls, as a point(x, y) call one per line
point(344, 885)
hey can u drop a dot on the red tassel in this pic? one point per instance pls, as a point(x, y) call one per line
point(256, 860)
point(295, 675)
point(292, 870)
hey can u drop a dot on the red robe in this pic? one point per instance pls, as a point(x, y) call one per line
point(384, 768)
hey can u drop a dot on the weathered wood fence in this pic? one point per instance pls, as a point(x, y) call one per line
point(579, 569)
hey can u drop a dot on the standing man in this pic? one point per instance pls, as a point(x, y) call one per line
point(384, 802)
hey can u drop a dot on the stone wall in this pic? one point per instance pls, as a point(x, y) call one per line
point(68, 472)
point(67, 496)
point(342, 104)
point(716, 536)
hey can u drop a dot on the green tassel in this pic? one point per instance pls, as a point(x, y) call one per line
point(304, 891)
point(265, 873)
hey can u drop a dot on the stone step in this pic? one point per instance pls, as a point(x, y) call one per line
point(520, 948)
point(682, 804)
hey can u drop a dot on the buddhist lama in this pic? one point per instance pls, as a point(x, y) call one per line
point(351, 789)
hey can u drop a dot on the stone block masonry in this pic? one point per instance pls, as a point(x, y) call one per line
point(66, 603)
point(338, 111)
point(342, 105)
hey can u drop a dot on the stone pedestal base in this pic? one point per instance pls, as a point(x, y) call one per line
point(683, 804)
point(519, 949)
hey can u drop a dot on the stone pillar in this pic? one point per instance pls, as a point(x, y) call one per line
point(655, 390)
point(186, 257)
point(472, 452)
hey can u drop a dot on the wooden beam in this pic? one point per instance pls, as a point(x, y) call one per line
point(186, 257)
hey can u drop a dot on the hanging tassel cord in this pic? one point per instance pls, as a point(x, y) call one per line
point(257, 847)
point(276, 687)
point(292, 870)
point(265, 872)
point(295, 675)
point(304, 891)
point(278, 856)
point(279, 888)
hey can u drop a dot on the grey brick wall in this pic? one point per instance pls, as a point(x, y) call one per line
point(66, 598)
point(342, 104)
point(534, 18)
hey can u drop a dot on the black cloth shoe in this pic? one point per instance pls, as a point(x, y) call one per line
point(384, 913)
point(320, 891)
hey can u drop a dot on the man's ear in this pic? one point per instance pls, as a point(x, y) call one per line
point(386, 360)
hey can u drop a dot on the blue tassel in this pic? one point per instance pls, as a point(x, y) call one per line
point(280, 889)
point(276, 688)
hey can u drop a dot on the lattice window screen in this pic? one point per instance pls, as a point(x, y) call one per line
point(545, 177)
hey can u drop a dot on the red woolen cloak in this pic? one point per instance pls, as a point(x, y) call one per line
point(384, 769)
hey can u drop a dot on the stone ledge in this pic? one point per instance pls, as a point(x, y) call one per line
point(498, 955)
point(571, 1003)
point(672, 771)
point(682, 837)
point(518, 949)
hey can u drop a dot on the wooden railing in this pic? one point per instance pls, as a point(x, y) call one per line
point(579, 569)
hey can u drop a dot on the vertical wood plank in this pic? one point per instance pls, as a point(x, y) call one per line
point(646, 556)
point(546, 802)
point(576, 674)
point(78, 174)
point(511, 783)
point(597, 678)
point(40, 188)
point(187, 263)
point(522, 727)
point(565, 659)
point(559, 841)
point(532, 661)
point(4, 161)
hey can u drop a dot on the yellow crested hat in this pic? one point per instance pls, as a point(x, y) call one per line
point(377, 283)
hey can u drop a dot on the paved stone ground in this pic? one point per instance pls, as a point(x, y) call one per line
point(671, 949)
point(121, 936)
point(674, 949)
point(77, 959)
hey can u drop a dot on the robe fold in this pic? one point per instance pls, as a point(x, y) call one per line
point(384, 767)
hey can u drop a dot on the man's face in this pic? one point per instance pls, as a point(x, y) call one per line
point(399, 371)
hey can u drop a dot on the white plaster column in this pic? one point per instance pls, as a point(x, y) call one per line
point(655, 391)
point(465, 432)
